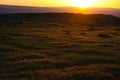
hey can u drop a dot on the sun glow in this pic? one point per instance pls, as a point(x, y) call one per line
point(82, 3)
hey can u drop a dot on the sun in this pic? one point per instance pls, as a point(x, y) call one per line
point(82, 3)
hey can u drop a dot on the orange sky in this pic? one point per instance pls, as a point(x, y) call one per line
point(62, 3)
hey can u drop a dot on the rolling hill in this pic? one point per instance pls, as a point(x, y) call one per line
point(59, 46)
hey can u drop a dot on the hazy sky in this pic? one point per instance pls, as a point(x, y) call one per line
point(56, 3)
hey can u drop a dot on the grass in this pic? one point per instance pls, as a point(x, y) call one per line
point(43, 48)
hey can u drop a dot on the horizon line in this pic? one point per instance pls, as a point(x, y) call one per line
point(57, 6)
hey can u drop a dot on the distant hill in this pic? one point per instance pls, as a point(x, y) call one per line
point(62, 18)
point(10, 9)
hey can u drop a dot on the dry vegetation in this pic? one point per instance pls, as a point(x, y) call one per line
point(59, 47)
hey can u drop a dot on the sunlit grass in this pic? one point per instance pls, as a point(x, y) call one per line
point(67, 48)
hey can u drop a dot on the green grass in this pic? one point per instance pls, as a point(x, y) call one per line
point(51, 49)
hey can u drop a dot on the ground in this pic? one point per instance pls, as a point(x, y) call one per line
point(38, 47)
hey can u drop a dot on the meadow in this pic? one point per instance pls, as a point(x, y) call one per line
point(59, 46)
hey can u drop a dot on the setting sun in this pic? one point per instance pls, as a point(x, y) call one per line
point(64, 3)
point(82, 3)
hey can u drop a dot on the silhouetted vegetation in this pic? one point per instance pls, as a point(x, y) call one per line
point(90, 20)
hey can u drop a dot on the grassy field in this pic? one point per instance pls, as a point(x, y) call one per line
point(59, 47)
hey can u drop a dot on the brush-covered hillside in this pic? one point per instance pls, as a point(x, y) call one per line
point(59, 46)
